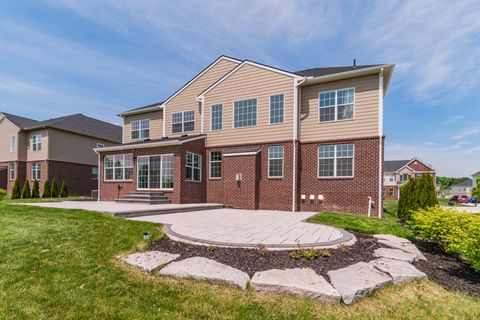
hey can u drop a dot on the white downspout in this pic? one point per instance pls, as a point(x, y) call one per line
point(98, 176)
point(164, 120)
point(202, 118)
point(380, 143)
point(294, 139)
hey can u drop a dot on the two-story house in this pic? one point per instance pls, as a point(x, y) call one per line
point(253, 136)
point(60, 148)
point(397, 172)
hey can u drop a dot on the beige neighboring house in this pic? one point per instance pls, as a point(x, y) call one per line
point(60, 148)
point(463, 188)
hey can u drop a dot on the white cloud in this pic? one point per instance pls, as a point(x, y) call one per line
point(453, 119)
point(467, 133)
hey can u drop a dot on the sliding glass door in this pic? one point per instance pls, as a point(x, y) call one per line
point(155, 172)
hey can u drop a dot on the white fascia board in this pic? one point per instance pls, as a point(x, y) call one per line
point(140, 111)
point(147, 145)
point(239, 154)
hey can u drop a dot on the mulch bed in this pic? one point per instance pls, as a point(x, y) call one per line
point(444, 269)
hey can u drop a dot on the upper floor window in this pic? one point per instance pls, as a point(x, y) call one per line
point(404, 177)
point(335, 160)
point(37, 142)
point(216, 117)
point(183, 121)
point(12, 171)
point(36, 171)
point(276, 108)
point(140, 129)
point(336, 105)
point(118, 167)
point(13, 144)
point(275, 161)
point(194, 167)
point(215, 164)
point(245, 113)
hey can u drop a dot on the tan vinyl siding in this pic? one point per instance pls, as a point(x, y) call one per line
point(39, 154)
point(74, 148)
point(365, 122)
point(250, 82)
point(7, 130)
point(187, 99)
point(156, 125)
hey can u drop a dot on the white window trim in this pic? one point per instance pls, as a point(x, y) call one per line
point(38, 142)
point(210, 165)
point(270, 109)
point(233, 113)
point(10, 177)
point(336, 106)
point(13, 144)
point(283, 163)
point(200, 166)
point(161, 170)
point(211, 117)
point(33, 175)
point(140, 129)
point(335, 162)
point(105, 168)
point(183, 121)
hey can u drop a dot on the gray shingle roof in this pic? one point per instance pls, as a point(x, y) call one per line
point(20, 122)
point(394, 165)
point(466, 183)
point(145, 107)
point(318, 72)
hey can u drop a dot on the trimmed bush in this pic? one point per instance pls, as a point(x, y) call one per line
point(16, 190)
point(26, 190)
point(64, 190)
point(54, 189)
point(35, 190)
point(3, 193)
point(47, 190)
point(457, 232)
point(416, 194)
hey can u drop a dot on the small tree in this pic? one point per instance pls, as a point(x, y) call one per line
point(54, 189)
point(35, 189)
point(64, 190)
point(47, 190)
point(16, 190)
point(416, 194)
point(26, 190)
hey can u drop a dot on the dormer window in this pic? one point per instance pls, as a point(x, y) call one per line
point(37, 142)
point(140, 129)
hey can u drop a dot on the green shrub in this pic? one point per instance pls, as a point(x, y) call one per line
point(26, 190)
point(307, 254)
point(457, 232)
point(54, 189)
point(64, 190)
point(416, 194)
point(16, 190)
point(35, 190)
point(3, 193)
point(47, 190)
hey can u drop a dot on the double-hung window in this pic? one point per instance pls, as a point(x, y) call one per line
point(194, 167)
point(183, 121)
point(94, 174)
point(140, 129)
point(277, 108)
point(118, 167)
point(37, 142)
point(336, 105)
point(13, 144)
point(12, 171)
point(275, 162)
point(245, 113)
point(36, 171)
point(216, 117)
point(215, 164)
point(335, 161)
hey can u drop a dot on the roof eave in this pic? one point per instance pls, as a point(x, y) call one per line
point(140, 111)
point(144, 145)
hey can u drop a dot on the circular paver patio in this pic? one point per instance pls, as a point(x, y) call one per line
point(274, 230)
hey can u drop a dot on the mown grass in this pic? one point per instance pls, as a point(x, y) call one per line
point(61, 264)
point(7, 199)
point(389, 224)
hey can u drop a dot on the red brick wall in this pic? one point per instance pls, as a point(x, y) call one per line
point(192, 191)
point(43, 174)
point(19, 173)
point(3, 177)
point(240, 194)
point(386, 190)
point(418, 166)
point(78, 177)
point(341, 194)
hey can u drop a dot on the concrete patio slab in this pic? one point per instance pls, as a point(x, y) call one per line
point(274, 230)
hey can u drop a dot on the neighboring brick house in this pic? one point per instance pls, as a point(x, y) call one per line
point(60, 148)
point(397, 172)
point(257, 137)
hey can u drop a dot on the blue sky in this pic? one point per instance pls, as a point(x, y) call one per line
point(103, 57)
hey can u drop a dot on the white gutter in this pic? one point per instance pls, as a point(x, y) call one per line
point(98, 176)
point(294, 139)
point(148, 145)
point(380, 142)
point(133, 112)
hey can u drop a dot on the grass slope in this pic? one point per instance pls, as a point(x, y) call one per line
point(60, 264)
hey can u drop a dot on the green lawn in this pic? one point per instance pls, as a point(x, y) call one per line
point(388, 224)
point(7, 199)
point(61, 264)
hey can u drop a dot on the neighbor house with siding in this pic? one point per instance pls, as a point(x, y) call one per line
point(252, 136)
point(59, 148)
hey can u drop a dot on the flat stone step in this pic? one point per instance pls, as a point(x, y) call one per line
point(357, 280)
point(301, 282)
point(167, 210)
point(206, 269)
point(150, 260)
point(144, 197)
point(143, 201)
point(400, 271)
point(401, 244)
point(395, 254)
